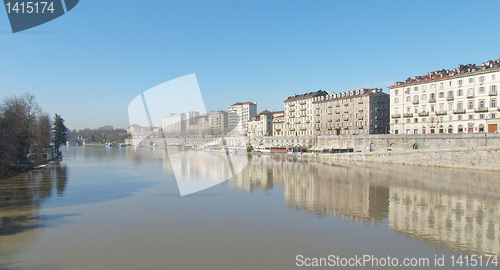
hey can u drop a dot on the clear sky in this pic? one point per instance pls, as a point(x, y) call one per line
point(90, 63)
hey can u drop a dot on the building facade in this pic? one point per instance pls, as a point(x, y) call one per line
point(298, 119)
point(261, 124)
point(278, 123)
point(362, 111)
point(218, 122)
point(238, 116)
point(464, 99)
point(174, 123)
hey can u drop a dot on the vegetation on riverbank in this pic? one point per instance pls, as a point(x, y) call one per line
point(26, 135)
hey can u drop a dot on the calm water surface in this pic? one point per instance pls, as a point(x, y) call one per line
point(109, 208)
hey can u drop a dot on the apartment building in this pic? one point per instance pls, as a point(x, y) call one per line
point(238, 116)
point(278, 123)
point(261, 124)
point(174, 123)
point(219, 122)
point(298, 119)
point(361, 111)
point(464, 99)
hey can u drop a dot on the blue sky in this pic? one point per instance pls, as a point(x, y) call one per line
point(90, 63)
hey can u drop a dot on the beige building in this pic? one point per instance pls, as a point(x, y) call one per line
point(298, 118)
point(261, 124)
point(362, 111)
point(218, 122)
point(278, 123)
point(464, 99)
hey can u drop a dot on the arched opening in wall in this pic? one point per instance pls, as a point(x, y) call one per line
point(424, 131)
point(450, 129)
point(460, 129)
point(470, 129)
point(433, 129)
point(415, 146)
point(441, 129)
point(481, 128)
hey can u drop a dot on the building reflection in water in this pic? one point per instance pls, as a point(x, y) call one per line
point(449, 208)
point(20, 199)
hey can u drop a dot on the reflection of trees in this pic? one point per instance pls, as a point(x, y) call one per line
point(20, 199)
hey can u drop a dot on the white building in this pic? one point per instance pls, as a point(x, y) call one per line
point(238, 116)
point(174, 123)
point(190, 118)
point(299, 114)
point(464, 99)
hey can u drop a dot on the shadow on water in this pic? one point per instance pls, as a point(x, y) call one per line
point(447, 208)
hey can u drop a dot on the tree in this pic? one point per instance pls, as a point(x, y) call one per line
point(44, 131)
point(60, 131)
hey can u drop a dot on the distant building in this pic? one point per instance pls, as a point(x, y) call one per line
point(238, 116)
point(298, 119)
point(202, 126)
point(261, 124)
point(278, 122)
point(219, 122)
point(190, 118)
point(462, 100)
point(362, 111)
point(134, 128)
point(174, 123)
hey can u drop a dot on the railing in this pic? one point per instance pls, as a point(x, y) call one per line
point(398, 115)
point(470, 95)
point(415, 102)
point(460, 111)
point(432, 100)
point(423, 114)
point(493, 92)
point(441, 112)
point(481, 109)
point(408, 115)
point(450, 98)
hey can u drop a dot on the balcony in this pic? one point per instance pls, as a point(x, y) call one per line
point(449, 98)
point(470, 95)
point(460, 111)
point(398, 115)
point(423, 114)
point(408, 115)
point(432, 100)
point(481, 109)
point(441, 112)
point(360, 102)
point(337, 105)
point(493, 92)
point(329, 106)
point(303, 109)
point(415, 101)
point(360, 117)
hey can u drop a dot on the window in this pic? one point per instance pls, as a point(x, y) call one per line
point(481, 116)
point(460, 82)
point(408, 99)
point(441, 107)
point(493, 89)
point(423, 119)
point(408, 90)
point(416, 88)
point(460, 92)
point(424, 97)
point(471, 80)
point(396, 92)
point(450, 94)
point(481, 90)
point(424, 108)
point(493, 116)
point(407, 120)
point(441, 94)
point(482, 79)
point(432, 108)
point(408, 109)
point(460, 106)
point(441, 86)
point(416, 110)
point(459, 117)
point(450, 83)
point(493, 77)
point(423, 88)
point(470, 106)
point(433, 96)
point(471, 117)
point(432, 86)
point(415, 98)
point(450, 106)
point(396, 110)
point(481, 104)
point(493, 103)
point(396, 100)
point(470, 92)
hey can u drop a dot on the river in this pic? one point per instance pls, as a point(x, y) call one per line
point(111, 208)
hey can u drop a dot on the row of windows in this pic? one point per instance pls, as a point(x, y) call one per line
point(459, 106)
point(450, 94)
point(450, 129)
point(441, 85)
point(450, 118)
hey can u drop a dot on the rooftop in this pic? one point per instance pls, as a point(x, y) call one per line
point(307, 95)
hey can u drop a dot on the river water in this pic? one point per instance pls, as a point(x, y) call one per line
point(111, 208)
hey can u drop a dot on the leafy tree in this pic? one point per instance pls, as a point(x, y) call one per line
point(60, 131)
point(44, 131)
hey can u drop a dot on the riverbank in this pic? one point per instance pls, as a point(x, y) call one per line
point(486, 158)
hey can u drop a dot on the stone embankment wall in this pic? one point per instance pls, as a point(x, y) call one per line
point(481, 158)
